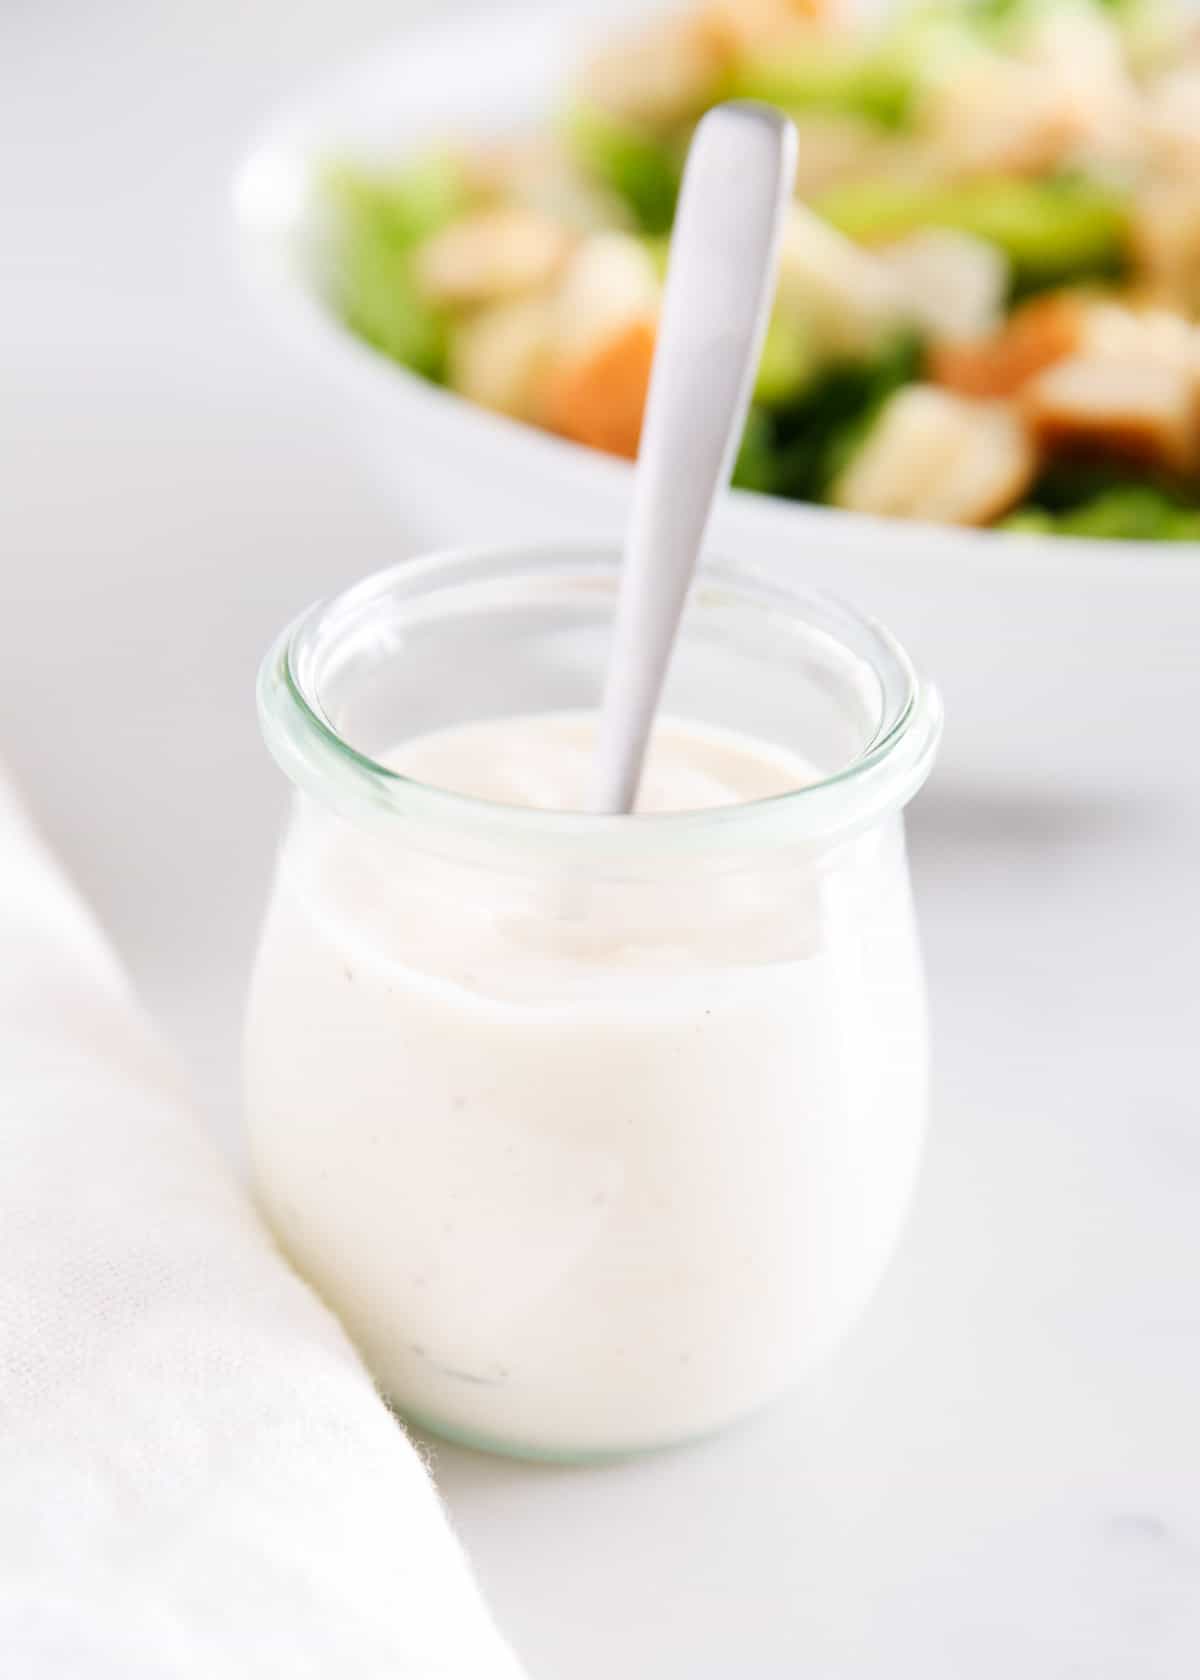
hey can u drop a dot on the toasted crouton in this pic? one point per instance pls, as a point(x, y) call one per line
point(662, 75)
point(1152, 334)
point(1171, 121)
point(604, 317)
point(932, 455)
point(1063, 93)
point(609, 282)
point(489, 255)
point(845, 294)
point(1166, 237)
point(1037, 335)
point(954, 284)
point(1131, 407)
point(598, 398)
point(836, 147)
point(988, 474)
point(996, 116)
point(743, 26)
point(909, 445)
point(537, 172)
point(497, 357)
point(1081, 48)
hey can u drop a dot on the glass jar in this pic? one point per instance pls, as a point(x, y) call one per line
point(595, 1131)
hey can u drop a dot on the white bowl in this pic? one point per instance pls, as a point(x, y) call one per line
point(1067, 667)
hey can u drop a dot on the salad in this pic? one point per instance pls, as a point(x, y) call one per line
point(988, 309)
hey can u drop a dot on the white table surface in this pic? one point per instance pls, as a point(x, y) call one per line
point(999, 1476)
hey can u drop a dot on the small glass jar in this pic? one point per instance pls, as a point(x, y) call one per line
point(595, 1131)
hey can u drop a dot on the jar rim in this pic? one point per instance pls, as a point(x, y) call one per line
point(317, 758)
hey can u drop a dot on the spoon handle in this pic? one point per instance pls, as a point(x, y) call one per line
point(720, 280)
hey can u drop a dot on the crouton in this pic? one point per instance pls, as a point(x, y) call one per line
point(737, 27)
point(1040, 333)
point(610, 282)
point(996, 115)
point(604, 317)
point(598, 398)
point(953, 284)
point(1130, 407)
point(1062, 94)
point(664, 74)
point(932, 455)
point(537, 172)
point(1153, 334)
point(843, 293)
point(1166, 238)
point(1170, 118)
point(497, 357)
point(1081, 48)
point(988, 474)
point(834, 148)
point(491, 254)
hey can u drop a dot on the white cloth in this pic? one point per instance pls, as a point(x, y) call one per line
point(196, 1477)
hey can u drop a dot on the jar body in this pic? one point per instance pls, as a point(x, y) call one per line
point(592, 1166)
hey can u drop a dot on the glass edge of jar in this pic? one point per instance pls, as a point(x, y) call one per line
point(321, 763)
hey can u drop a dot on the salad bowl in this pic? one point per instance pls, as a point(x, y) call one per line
point(1070, 667)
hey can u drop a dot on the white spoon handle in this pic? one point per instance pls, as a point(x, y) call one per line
point(720, 279)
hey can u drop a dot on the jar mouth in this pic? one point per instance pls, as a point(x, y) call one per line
point(315, 753)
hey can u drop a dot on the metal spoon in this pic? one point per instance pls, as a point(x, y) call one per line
point(720, 278)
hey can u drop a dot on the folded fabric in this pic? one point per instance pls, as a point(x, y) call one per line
point(196, 1476)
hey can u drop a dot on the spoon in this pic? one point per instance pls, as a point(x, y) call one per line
point(720, 278)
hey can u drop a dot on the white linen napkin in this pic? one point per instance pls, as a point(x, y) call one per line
point(196, 1477)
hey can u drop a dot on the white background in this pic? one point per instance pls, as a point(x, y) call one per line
point(999, 1477)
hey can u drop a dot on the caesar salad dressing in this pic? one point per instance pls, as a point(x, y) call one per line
point(586, 1179)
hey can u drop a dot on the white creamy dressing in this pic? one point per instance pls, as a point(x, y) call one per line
point(546, 763)
point(586, 1175)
